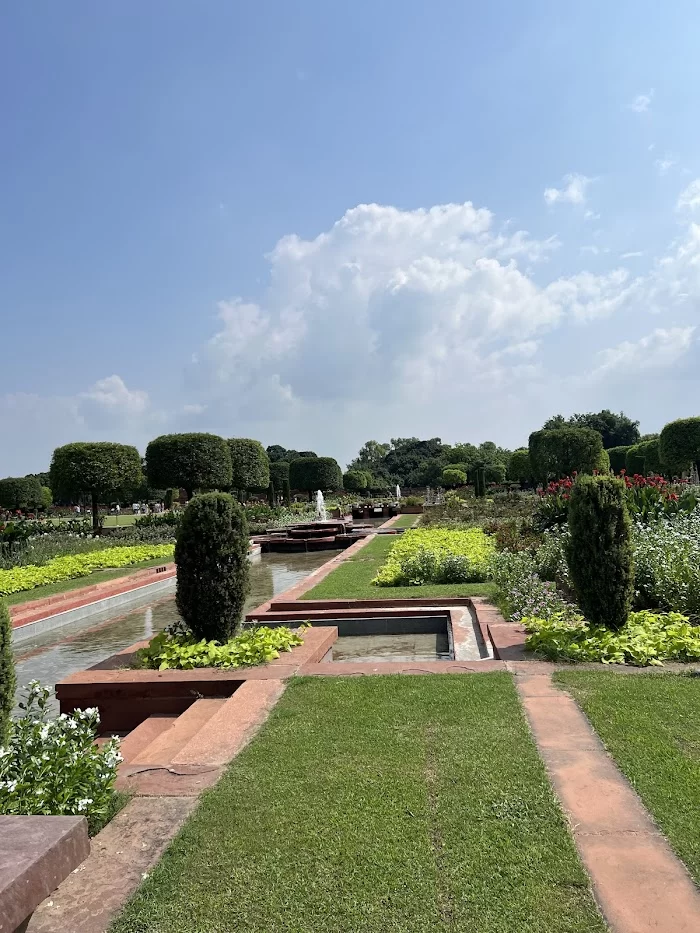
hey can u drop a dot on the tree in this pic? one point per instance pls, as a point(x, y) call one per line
point(279, 475)
point(46, 498)
point(250, 465)
point(519, 468)
point(99, 469)
point(679, 444)
point(452, 477)
point(615, 430)
point(634, 460)
point(192, 461)
point(306, 454)
point(649, 449)
point(356, 480)
point(407, 456)
point(211, 554)
point(564, 451)
point(20, 492)
point(8, 681)
point(599, 551)
point(312, 473)
point(495, 472)
point(276, 453)
point(618, 458)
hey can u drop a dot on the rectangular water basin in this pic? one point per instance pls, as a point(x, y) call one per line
point(408, 647)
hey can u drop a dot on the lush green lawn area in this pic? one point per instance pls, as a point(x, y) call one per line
point(412, 804)
point(352, 579)
point(650, 724)
point(111, 521)
point(405, 521)
point(99, 576)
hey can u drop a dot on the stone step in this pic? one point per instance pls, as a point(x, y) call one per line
point(164, 748)
point(144, 735)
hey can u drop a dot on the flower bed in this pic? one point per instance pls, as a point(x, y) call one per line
point(19, 579)
point(437, 555)
point(181, 651)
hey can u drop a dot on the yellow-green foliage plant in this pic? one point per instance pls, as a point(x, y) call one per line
point(437, 555)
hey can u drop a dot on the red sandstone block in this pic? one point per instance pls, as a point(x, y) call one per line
point(144, 734)
point(170, 742)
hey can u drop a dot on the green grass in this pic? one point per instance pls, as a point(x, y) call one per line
point(99, 576)
point(405, 521)
point(376, 805)
point(110, 521)
point(650, 724)
point(352, 579)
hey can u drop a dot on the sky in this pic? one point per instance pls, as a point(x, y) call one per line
point(319, 223)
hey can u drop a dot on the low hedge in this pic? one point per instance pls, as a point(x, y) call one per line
point(19, 579)
point(437, 555)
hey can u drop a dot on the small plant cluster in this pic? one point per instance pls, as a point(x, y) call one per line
point(437, 555)
point(646, 638)
point(522, 592)
point(181, 650)
point(158, 519)
point(53, 767)
point(652, 497)
point(19, 579)
point(667, 563)
point(553, 506)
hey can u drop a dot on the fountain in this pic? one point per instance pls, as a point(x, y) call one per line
point(398, 493)
point(321, 513)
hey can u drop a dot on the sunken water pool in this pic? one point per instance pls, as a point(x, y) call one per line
point(420, 646)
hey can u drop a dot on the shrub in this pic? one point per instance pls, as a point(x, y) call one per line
point(436, 555)
point(250, 465)
point(649, 449)
point(679, 444)
point(311, 473)
point(667, 563)
point(652, 497)
point(279, 475)
point(618, 458)
point(645, 638)
point(52, 766)
point(8, 681)
point(46, 498)
point(599, 552)
point(494, 472)
point(452, 477)
point(20, 492)
point(634, 460)
point(211, 553)
point(183, 652)
point(19, 579)
point(99, 469)
point(195, 462)
point(564, 451)
point(521, 590)
point(519, 467)
point(356, 480)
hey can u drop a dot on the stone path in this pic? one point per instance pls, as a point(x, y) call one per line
point(639, 883)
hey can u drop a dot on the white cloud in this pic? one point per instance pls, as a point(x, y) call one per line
point(689, 198)
point(586, 297)
point(641, 102)
point(664, 165)
point(591, 215)
point(635, 254)
point(658, 350)
point(573, 191)
point(112, 395)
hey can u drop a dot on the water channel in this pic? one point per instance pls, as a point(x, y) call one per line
point(54, 655)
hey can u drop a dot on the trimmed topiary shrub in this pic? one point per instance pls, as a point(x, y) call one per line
point(564, 451)
point(311, 473)
point(679, 444)
point(495, 472)
point(20, 492)
point(211, 553)
point(519, 466)
point(250, 465)
point(618, 461)
point(8, 681)
point(649, 449)
point(634, 460)
point(356, 480)
point(452, 477)
point(195, 462)
point(279, 475)
point(603, 464)
point(599, 551)
point(479, 481)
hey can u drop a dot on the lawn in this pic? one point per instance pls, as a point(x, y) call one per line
point(650, 724)
point(352, 579)
point(412, 804)
point(99, 576)
point(405, 521)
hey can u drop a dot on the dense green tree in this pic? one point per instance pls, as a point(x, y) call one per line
point(195, 462)
point(519, 468)
point(99, 469)
point(46, 498)
point(279, 475)
point(634, 461)
point(679, 445)
point(371, 457)
point(250, 465)
point(275, 453)
point(306, 454)
point(616, 430)
point(356, 480)
point(20, 492)
point(452, 477)
point(211, 554)
point(312, 473)
point(8, 681)
point(599, 551)
point(618, 458)
point(652, 457)
point(564, 451)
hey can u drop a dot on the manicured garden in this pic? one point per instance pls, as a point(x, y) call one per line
point(651, 727)
point(387, 803)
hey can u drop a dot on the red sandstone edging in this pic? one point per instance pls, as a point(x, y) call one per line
point(364, 669)
point(35, 610)
point(639, 883)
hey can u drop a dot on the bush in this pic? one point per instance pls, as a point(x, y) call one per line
point(19, 579)
point(565, 451)
point(311, 473)
point(53, 767)
point(356, 480)
point(183, 652)
point(8, 681)
point(495, 472)
point(250, 465)
point(436, 555)
point(634, 461)
point(20, 492)
point(519, 467)
point(618, 458)
point(599, 552)
point(452, 477)
point(679, 444)
point(211, 554)
point(521, 591)
point(279, 475)
point(650, 451)
point(195, 462)
point(667, 563)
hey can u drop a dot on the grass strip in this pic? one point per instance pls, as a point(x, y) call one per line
point(405, 521)
point(650, 724)
point(65, 586)
point(353, 579)
point(413, 804)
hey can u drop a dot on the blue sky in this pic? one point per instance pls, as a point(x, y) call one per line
point(314, 224)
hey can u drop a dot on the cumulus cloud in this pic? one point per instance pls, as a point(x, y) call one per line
point(642, 102)
point(573, 190)
point(663, 166)
point(689, 198)
point(658, 350)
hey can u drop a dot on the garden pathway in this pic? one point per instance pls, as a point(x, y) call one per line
point(640, 884)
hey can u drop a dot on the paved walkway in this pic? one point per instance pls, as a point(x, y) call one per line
point(639, 883)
